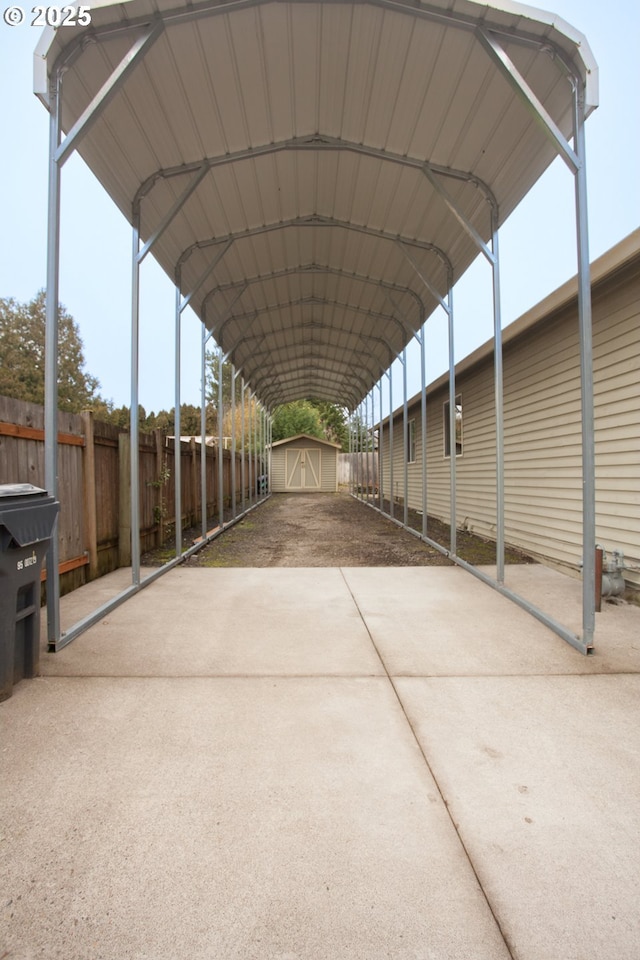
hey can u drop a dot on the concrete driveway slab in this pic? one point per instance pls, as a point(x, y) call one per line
point(209, 622)
point(222, 769)
point(227, 819)
point(542, 776)
point(445, 622)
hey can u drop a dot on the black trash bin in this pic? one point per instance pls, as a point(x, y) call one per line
point(27, 518)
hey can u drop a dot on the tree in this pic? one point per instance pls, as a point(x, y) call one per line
point(317, 418)
point(212, 379)
point(333, 420)
point(299, 416)
point(22, 346)
point(362, 437)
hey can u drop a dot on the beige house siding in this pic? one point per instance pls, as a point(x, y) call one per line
point(328, 463)
point(542, 426)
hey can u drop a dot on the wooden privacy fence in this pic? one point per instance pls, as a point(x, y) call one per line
point(94, 526)
point(361, 469)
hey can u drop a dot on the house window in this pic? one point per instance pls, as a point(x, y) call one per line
point(445, 423)
point(411, 441)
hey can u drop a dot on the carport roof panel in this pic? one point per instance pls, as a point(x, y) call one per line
point(312, 123)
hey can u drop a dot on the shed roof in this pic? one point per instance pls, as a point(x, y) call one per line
point(305, 167)
point(305, 436)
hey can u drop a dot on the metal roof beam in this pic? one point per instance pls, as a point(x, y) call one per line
point(298, 327)
point(306, 367)
point(107, 92)
point(193, 184)
point(318, 143)
point(338, 389)
point(316, 220)
point(225, 316)
point(308, 346)
point(459, 214)
point(276, 399)
point(205, 273)
point(311, 268)
point(446, 18)
point(313, 301)
point(425, 280)
point(310, 387)
point(310, 355)
point(517, 82)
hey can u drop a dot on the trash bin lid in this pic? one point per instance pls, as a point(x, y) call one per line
point(27, 513)
point(20, 490)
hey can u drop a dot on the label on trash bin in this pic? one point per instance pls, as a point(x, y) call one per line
point(27, 562)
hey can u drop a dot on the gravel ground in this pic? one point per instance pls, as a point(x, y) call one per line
point(330, 530)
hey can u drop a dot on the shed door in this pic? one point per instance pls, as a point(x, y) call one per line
point(302, 469)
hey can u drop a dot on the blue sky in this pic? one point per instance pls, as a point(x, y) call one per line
point(537, 243)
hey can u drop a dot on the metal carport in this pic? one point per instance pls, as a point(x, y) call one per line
point(316, 176)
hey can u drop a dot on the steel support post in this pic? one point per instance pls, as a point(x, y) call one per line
point(203, 432)
point(355, 444)
point(259, 464)
point(391, 446)
point(499, 398)
point(375, 442)
point(256, 446)
point(256, 450)
point(233, 442)
point(375, 447)
point(362, 446)
point(358, 442)
point(243, 477)
point(260, 450)
point(263, 485)
point(354, 447)
point(352, 486)
point(177, 444)
point(367, 444)
point(351, 457)
point(405, 440)
point(135, 403)
point(423, 427)
point(250, 449)
point(452, 434)
point(586, 379)
point(220, 444)
point(51, 363)
point(356, 451)
point(270, 470)
point(265, 467)
point(380, 451)
point(260, 469)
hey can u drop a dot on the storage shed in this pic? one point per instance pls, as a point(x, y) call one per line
point(304, 463)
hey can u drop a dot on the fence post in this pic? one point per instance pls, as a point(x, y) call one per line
point(89, 484)
point(124, 501)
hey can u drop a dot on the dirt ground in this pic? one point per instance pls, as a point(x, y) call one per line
point(331, 530)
